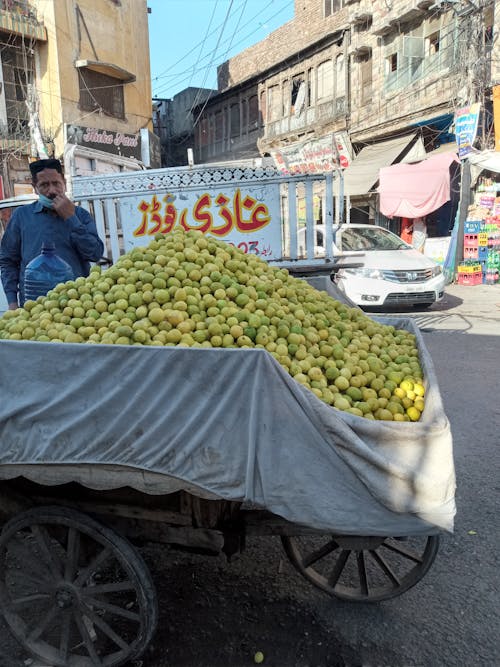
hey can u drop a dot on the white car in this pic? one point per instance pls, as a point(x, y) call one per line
point(11, 203)
point(380, 268)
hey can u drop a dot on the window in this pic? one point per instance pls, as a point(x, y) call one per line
point(235, 120)
point(391, 63)
point(298, 97)
point(332, 6)
point(425, 50)
point(325, 80)
point(18, 76)
point(263, 106)
point(285, 96)
point(219, 126)
point(488, 23)
point(203, 132)
point(433, 44)
point(311, 88)
point(100, 92)
point(253, 113)
point(340, 75)
point(273, 103)
point(366, 74)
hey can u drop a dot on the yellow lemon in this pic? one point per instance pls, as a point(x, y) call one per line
point(413, 414)
point(419, 389)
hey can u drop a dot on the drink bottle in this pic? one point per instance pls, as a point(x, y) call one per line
point(44, 272)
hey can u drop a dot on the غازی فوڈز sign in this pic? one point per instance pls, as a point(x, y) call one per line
point(242, 218)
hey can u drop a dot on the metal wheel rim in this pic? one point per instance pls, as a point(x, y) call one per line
point(87, 608)
point(365, 550)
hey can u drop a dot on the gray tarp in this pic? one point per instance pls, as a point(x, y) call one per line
point(228, 424)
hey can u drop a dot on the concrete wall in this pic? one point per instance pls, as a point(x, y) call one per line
point(183, 108)
point(97, 30)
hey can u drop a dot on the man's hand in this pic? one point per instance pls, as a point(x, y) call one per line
point(13, 306)
point(63, 206)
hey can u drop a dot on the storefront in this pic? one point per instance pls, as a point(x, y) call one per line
point(420, 200)
point(480, 263)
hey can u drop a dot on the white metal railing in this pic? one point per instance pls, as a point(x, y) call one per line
point(303, 205)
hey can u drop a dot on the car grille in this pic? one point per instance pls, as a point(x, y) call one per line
point(411, 297)
point(419, 276)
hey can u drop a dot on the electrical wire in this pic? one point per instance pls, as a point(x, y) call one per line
point(215, 51)
point(199, 43)
point(197, 98)
point(203, 42)
point(174, 78)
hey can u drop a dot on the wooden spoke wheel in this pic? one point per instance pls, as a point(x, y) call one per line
point(73, 592)
point(362, 569)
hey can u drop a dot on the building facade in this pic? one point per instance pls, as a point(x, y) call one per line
point(77, 90)
point(373, 70)
point(174, 123)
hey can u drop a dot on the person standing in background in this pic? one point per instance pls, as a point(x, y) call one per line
point(406, 230)
point(419, 234)
point(54, 217)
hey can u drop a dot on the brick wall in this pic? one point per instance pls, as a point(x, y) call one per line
point(307, 26)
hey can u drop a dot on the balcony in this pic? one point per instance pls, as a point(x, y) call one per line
point(408, 12)
point(362, 17)
point(18, 17)
point(383, 29)
point(361, 50)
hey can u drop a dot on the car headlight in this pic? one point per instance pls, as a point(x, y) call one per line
point(436, 270)
point(375, 274)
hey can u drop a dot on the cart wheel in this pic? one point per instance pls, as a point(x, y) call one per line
point(362, 569)
point(73, 592)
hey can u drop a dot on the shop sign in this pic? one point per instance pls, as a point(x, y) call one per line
point(315, 156)
point(466, 122)
point(496, 115)
point(437, 248)
point(239, 216)
point(117, 143)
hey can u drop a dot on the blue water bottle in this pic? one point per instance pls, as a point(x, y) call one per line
point(44, 272)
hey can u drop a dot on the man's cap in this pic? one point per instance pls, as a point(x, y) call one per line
point(40, 165)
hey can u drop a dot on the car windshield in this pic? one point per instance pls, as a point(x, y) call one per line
point(371, 238)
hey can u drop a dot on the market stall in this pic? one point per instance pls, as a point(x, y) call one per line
point(481, 248)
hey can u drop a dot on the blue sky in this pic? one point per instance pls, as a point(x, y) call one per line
point(189, 38)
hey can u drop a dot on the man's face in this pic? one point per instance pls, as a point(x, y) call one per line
point(50, 183)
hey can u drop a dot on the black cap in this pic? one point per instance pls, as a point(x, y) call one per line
point(40, 165)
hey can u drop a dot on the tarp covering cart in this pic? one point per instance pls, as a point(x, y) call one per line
point(101, 446)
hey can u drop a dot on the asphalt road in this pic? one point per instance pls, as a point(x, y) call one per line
point(217, 615)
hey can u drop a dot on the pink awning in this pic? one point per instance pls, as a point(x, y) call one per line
point(414, 190)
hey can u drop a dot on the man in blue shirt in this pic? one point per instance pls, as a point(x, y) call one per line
point(53, 217)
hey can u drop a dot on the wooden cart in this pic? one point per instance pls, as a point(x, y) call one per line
point(75, 591)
